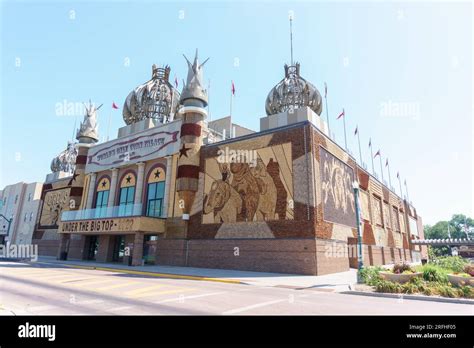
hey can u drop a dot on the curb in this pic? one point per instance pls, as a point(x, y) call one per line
point(151, 274)
point(410, 297)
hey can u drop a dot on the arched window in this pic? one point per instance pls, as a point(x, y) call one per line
point(155, 192)
point(127, 194)
point(102, 197)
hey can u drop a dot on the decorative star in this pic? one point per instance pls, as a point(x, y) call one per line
point(104, 183)
point(184, 151)
point(129, 179)
point(157, 174)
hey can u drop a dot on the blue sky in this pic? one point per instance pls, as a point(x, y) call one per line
point(402, 71)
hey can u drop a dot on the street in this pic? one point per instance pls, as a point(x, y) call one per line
point(39, 289)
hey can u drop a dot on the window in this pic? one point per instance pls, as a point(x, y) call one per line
point(31, 216)
point(30, 195)
point(127, 195)
point(155, 192)
point(16, 199)
point(102, 197)
point(24, 218)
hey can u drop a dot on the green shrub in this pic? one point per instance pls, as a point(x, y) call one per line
point(389, 287)
point(370, 275)
point(466, 291)
point(452, 263)
point(447, 290)
point(433, 273)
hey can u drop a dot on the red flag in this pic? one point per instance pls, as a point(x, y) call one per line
point(386, 162)
point(176, 82)
point(114, 106)
point(341, 114)
point(325, 90)
point(233, 88)
point(377, 154)
point(356, 130)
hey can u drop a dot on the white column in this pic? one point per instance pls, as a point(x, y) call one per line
point(113, 190)
point(139, 188)
point(90, 193)
point(169, 163)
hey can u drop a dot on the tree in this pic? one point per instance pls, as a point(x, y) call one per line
point(457, 229)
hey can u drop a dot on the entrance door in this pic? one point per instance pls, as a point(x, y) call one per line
point(93, 247)
point(149, 249)
point(119, 249)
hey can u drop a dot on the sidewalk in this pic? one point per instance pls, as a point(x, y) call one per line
point(336, 282)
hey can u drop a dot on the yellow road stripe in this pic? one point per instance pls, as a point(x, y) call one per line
point(116, 286)
point(65, 275)
point(145, 289)
point(147, 294)
point(94, 282)
point(152, 274)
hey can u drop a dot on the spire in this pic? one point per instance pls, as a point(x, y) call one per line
point(88, 131)
point(291, 37)
point(193, 91)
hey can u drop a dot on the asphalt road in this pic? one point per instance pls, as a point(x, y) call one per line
point(33, 289)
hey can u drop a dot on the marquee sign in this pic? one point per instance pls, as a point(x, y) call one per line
point(113, 225)
point(153, 143)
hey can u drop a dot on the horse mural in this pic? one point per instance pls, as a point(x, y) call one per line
point(268, 192)
point(224, 201)
point(246, 192)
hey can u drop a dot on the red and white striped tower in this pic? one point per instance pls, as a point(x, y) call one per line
point(193, 112)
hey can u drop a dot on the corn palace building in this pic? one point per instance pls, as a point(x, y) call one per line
point(171, 190)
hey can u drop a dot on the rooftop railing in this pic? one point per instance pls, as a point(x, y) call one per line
point(103, 212)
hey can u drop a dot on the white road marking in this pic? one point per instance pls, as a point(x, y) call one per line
point(39, 308)
point(184, 298)
point(116, 309)
point(258, 305)
point(89, 302)
point(152, 293)
point(116, 286)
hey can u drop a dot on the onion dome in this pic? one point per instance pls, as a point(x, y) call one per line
point(293, 92)
point(156, 99)
point(66, 160)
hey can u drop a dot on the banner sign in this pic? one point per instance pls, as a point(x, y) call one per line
point(153, 143)
point(113, 225)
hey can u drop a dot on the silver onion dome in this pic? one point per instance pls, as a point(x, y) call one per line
point(156, 99)
point(66, 160)
point(293, 92)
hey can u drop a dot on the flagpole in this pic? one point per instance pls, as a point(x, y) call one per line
point(208, 99)
point(108, 126)
point(344, 120)
point(360, 151)
point(327, 109)
point(400, 183)
point(231, 98)
point(372, 156)
point(406, 189)
point(381, 167)
point(389, 178)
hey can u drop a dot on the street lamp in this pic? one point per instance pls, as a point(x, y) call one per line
point(355, 186)
point(9, 221)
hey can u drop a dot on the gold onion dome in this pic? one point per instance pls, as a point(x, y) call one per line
point(293, 92)
point(156, 99)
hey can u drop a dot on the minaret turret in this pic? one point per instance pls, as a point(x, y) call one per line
point(193, 113)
